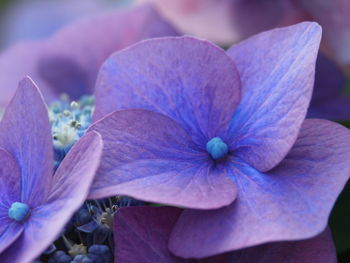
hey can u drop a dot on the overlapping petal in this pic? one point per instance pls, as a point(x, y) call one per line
point(277, 73)
point(10, 180)
point(9, 230)
point(69, 189)
point(290, 202)
point(189, 80)
point(25, 134)
point(143, 234)
point(69, 61)
point(10, 191)
point(75, 174)
point(151, 157)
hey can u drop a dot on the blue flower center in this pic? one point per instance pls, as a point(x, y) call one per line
point(217, 148)
point(19, 211)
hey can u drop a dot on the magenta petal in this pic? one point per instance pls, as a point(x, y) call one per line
point(269, 206)
point(69, 190)
point(25, 133)
point(150, 157)
point(69, 61)
point(277, 73)
point(190, 80)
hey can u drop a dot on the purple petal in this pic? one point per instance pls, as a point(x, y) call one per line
point(319, 249)
point(277, 72)
point(69, 61)
point(10, 180)
point(290, 202)
point(150, 157)
point(190, 80)
point(334, 18)
point(329, 100)
point(25, 133)
point(75, 174)
point(9, 230)
point(69, 190)
point(143, 234)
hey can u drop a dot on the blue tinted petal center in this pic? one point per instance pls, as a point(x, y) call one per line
point(19, 211)
point(217, 148)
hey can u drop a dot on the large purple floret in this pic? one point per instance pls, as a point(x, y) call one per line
point(35, 203)
point(186, 124)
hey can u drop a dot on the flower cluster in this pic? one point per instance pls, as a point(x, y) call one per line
point(169, 150)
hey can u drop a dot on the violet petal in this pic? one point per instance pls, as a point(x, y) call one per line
point(69, 190)
point(277, 73)
point(10, 180)
point(143, 234)
point(25, 133)
point(269, 206)
point(319, 249)
point(9, 230)
point(190, 80)
point(150, 157)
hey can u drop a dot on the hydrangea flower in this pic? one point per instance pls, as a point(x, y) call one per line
point(35, 202)
point(223, 135)
point(68, 62)
point(152, 227)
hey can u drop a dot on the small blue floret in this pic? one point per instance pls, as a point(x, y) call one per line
point(19, 211)
point(217, 148)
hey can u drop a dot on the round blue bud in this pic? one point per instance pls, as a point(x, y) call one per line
point(100, 253)
point(60, 257)
point(217, 148)
point(82, 259)
point(19, 211)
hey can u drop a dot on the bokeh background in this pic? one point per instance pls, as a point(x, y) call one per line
point(28, 20)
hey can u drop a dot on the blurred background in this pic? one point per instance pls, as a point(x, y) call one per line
point(25, 20)
point(223, 22)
